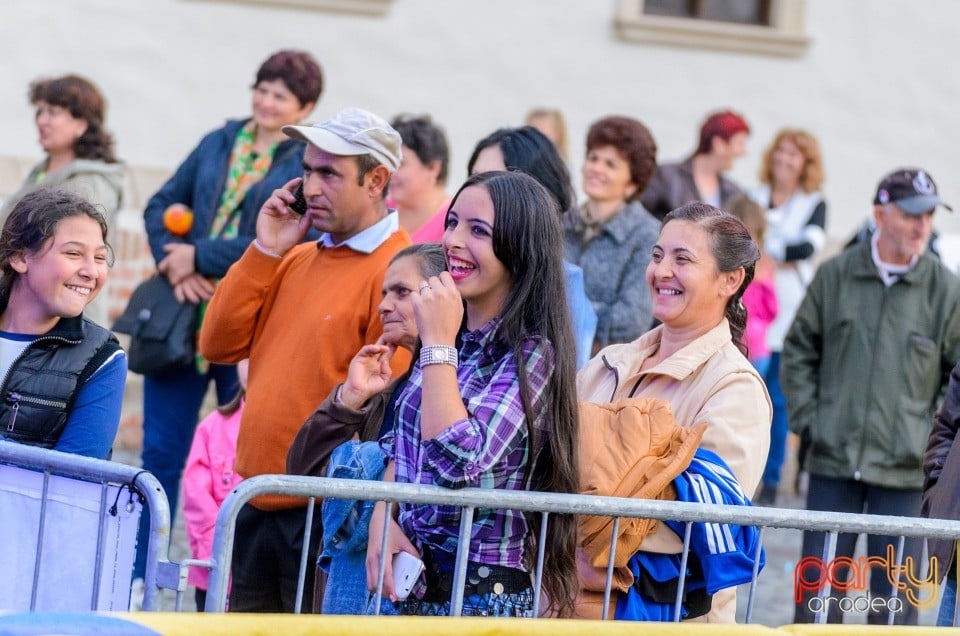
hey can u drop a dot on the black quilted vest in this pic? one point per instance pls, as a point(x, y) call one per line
point(38, 392)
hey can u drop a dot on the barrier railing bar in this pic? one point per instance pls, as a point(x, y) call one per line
point(87, 469)
point(608, 584)
point(101, 542)
point(159, 543)
point(529, 501)
point(682, 581)
point(378, 596)
point(752, 595)
point(541, 551)
point(956, 578)
point(554, 503)
point(39, 552)
point(829, 551)
point(304, 554)
point(895, 590)
point(460, 567)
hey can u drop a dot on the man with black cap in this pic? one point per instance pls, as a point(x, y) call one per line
point(299, 312)
point(864, 365)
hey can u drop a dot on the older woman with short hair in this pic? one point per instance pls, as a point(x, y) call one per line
point(611, 235)
point(224, 181)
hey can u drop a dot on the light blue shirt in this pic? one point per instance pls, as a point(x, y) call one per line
point(370, 239)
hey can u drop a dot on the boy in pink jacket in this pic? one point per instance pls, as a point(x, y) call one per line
point(209, 477)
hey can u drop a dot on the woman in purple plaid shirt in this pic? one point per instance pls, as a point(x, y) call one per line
point(490, 403)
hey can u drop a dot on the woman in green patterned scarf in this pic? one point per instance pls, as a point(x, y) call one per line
point(224, 181)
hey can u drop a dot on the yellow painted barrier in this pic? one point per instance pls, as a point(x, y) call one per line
point(866, 630)
point(290, 625)
point(189, 624)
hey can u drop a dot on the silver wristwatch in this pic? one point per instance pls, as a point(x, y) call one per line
point(439, 354)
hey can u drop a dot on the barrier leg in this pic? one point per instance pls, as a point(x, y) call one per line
point(683, 571)
point(608, 585)
point(463, 555)
point(538, 576)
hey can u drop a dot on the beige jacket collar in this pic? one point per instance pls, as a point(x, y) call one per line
point(626, 359)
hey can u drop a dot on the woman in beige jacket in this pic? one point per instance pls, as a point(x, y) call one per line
point(702, 263)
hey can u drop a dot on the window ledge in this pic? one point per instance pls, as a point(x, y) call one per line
point(785, 38)
point(363, 7)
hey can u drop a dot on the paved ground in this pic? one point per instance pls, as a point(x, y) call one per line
point(773, 605)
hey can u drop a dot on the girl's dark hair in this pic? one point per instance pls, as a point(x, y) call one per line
point(79, 96)
point(732, 248)
point(528, 240)
point(298, 71)
point(528, 150)
point(426, 139)
point(33, 221)
point(633, 141)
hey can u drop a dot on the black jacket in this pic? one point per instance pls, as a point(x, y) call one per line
point(941, 469)
point(38, 391)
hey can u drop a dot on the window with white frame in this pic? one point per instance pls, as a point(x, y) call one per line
point(767, 27)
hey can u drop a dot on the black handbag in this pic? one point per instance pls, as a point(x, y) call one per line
point(162, 330)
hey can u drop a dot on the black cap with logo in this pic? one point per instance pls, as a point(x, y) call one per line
point(910, 189)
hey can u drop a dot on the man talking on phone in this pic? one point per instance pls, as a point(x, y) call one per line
point(300, 312)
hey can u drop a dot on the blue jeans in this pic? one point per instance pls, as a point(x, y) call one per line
point(846, 495)
point(948, 601)
point(778, 427)
point(171, 407)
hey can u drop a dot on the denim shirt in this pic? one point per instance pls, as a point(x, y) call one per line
point(345, 529)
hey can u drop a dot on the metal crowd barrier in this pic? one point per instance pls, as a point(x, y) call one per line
point(160, 573)
point(469, 499)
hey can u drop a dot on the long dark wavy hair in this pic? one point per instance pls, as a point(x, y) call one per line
point(528, 240)
point(732, 248)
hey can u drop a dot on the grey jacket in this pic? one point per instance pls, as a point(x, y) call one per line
point(100, 183)
point(672, 185)
point(864, 366)
point(614, 266)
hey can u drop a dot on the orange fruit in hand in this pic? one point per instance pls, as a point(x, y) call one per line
point(177, 219)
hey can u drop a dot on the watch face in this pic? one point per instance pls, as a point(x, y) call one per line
point(442, 355)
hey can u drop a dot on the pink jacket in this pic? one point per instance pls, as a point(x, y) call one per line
point(207, 480)
point(760, 299)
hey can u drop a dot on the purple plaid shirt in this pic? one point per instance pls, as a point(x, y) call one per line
point(488, 449)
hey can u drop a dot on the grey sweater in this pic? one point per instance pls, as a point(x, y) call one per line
point(614, 266)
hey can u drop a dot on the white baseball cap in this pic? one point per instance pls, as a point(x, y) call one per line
point(353, 131)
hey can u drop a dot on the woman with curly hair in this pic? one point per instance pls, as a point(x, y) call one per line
point(611, 235)
point(69, 116)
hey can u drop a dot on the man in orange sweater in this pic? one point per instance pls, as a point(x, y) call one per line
point(300, 311)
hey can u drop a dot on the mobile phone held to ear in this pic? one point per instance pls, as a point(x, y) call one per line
point(300, 205)
point(406, 571)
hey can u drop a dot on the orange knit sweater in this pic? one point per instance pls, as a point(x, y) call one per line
point(300, 320)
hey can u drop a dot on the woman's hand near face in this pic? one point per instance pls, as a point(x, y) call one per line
point(438, 310)
point(369, 374)
point(278, 227)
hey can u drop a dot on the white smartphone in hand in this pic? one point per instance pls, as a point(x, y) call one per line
point(406, 571)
